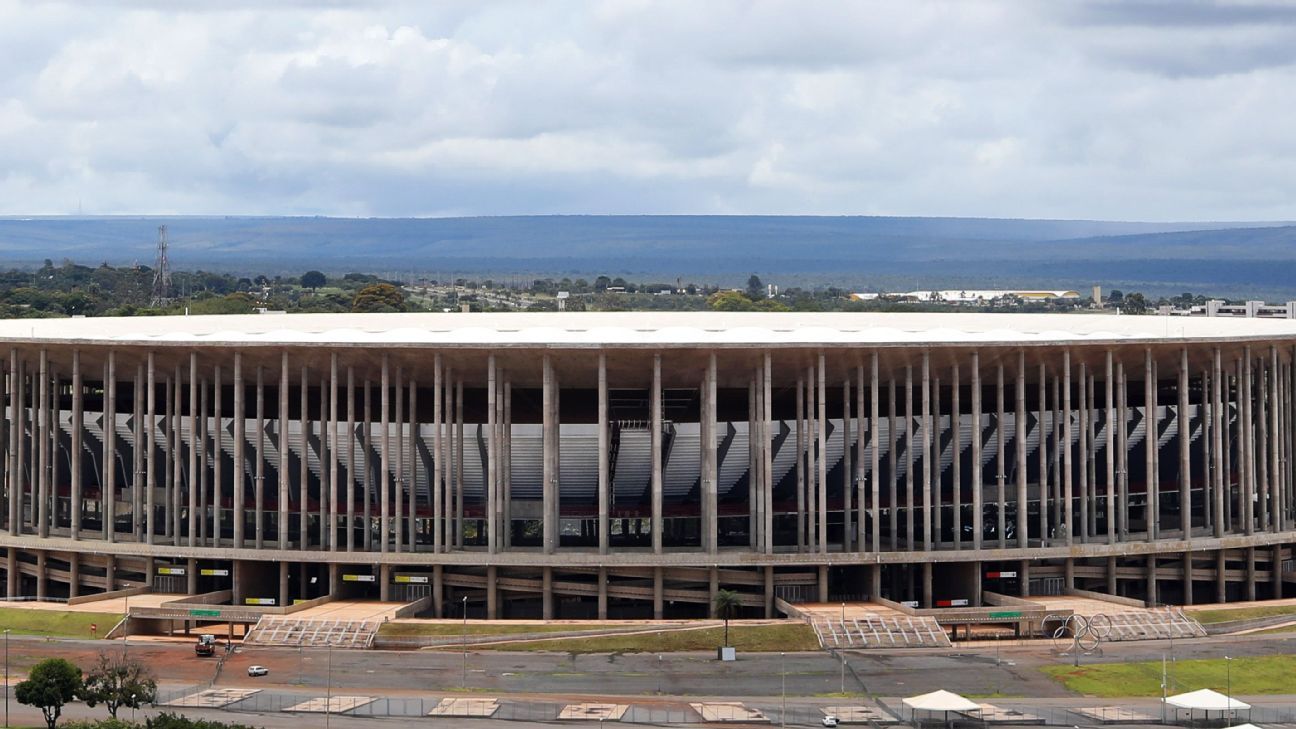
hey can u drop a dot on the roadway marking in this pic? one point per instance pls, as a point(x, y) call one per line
point(331, 705)
point(593, 712)
point(465, 707)
point(213, 698)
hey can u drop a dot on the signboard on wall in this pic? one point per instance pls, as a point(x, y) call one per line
point(259, 601)
point(960, 602)
point(213, 573)
point(175, 571)
point(1000, 575)
point(411, 579)
point(359, 578)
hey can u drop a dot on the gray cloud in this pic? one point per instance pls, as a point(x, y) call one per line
point(1127, 110)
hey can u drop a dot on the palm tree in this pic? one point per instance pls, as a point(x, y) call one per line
point(726, 604)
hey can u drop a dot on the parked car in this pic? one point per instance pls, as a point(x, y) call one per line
point(257, 670)
point(829, 720)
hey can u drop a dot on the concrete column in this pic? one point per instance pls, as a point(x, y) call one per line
point(204, 458)
point(875, 581)
point(23, 477)
point(1023, 532)
point(459, 465)
point(1217, 441)
point(41, 400)
point(655, 435)
point(74, 575)
point(927, 598)
point(1110, 406)
point(416, 463)
point(1112, 587)
point(236, 582)
point(240, 439)
point(1068, 505)
point(861, 476)
point(14, 426)
point(604, 473)
point(1041, 415)
point(218, 456)
point(1274, 441)
point(110, 448)
point(658, 608)
point(137, 455)
point(11, 573)
point(935, 445)
point(1221, 575)
point(1247, 442)
point(956, 427)
point(874, 455)
point(492, 456)
point(1082, 412)
point(822, 426)
point(1185, 453)
point(283, 584)
point(281, 430)
point(78, 450)
point(191, 512)
point(303, 476)
point(714, 587)
point(150, 448)
point(1152, 597)
point(603, 593)
point(801, 478)
point(384, 472)
point(847, 474)
point(893, 514)
point(1023, 578)
point(384, 581)
point(110, 572)
point(977, 498)
point(823, 583)
point(42, 564)
point(1122, 453)
point(550, 477)
point(1187, 578)
point(438, 590)
point(191, 576)
point(492, 593)
point(926, 451)
point(1001, 475)
point(259, 492)
point(910, 536)
point(767, 450)
point(334, 448)
point(755, 475)
point(1275, 572)
point(334, 580)
point(438, 462)
point(769, 591)
point(546, 593)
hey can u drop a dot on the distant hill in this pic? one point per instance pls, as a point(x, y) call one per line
point(884, 252)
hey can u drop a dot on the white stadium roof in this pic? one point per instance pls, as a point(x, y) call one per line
point(631, 329)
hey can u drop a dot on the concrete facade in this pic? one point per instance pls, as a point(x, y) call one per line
point(586, 465)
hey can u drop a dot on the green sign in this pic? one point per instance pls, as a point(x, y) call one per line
point(1006, 614)
point(204, 613)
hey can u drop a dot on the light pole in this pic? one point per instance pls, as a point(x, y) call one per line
point(6, 634)
point(659, 673)
point(126, 631)
point(328, 685)
point(1227, 686)
point(783, 672)
point(464, 683)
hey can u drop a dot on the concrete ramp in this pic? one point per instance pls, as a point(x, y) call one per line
point(274, 630)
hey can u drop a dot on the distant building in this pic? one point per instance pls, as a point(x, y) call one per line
point(973, 296)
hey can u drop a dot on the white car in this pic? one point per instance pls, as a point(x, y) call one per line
point(829, 720)
point(262, 670)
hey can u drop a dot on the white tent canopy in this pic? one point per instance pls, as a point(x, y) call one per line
point(1206, 700)
point(941, 700)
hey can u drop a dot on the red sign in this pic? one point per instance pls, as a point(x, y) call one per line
point(94, 628)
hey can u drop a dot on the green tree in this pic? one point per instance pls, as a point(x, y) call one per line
point(729, 301)
point(377, 298)
point(726, 604)
point(52, 683)
point(117, 683)
point(313, 280)
point(755, 289)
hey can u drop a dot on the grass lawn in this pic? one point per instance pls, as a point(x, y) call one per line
point(395, 629)
point(1246, 613)
point(1261, 675)
point(794, 636)
point(56, 623)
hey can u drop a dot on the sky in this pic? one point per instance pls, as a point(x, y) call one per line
point(1129, 110)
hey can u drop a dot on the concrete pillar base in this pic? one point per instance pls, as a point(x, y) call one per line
point(823, 583)
point(603, 594)
point(1112, 587)
point(438, 591)
point(1152, 597)
point(1023, 578)
point(492, 593)
point(714, 588)
point(1221, 584)
point(74, 575)
point(384, 582)
point(283, 584)
point(658, 608)
point(546, 594)
point(769, 591)
point(927, 587)
point(42, 559)
point(1187, 578)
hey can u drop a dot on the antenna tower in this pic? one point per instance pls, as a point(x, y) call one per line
point(162, 271)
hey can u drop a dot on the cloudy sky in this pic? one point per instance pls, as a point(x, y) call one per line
point(1138, 109)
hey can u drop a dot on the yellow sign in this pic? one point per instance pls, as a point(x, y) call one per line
point(411, 579)
point(359, 578)
point(177, 571)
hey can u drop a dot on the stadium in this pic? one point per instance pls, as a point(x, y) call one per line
point(630, 465)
